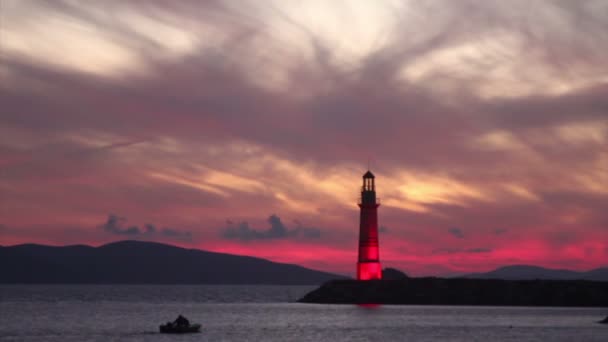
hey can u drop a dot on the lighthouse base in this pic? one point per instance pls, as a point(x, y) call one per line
point(369, 270)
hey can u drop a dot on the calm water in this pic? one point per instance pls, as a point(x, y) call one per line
point(268, 313)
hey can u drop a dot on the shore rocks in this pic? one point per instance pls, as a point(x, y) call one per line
point(460, 291)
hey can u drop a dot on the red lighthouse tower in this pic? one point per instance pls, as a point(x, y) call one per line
point(368, 266)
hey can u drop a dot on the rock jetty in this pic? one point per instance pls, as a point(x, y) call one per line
point(460, 291)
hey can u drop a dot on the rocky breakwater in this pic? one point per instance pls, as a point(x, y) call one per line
point(440, 291)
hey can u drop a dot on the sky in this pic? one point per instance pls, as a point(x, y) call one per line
point(245, 127)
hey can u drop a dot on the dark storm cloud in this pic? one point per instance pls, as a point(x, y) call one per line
point(277, 230)
point(456, 232)
point(115, 225)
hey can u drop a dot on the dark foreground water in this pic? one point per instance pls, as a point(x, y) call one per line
point(268, 313)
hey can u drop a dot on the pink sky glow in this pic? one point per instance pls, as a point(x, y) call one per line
point(245, 127)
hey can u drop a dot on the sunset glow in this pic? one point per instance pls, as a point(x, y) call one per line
point(245, 126)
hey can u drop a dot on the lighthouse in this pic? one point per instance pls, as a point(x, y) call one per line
point(368, 266)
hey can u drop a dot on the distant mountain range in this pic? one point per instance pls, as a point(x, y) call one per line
point(137, 262)
point(525, 272)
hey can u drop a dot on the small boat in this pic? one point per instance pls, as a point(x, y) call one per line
point(171, 328)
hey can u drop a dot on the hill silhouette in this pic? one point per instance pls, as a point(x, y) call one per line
point(393, 274)
point(526, 272)
point(137, 262)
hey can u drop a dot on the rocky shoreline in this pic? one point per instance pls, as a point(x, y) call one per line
point(460, 291)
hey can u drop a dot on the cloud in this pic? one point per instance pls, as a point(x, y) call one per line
point(115, 225)
point(446, 251)
point(456, 232)
point(277, 230)
point(479, 250)
point(440, 251)
point(198, 110)
point(149, 228)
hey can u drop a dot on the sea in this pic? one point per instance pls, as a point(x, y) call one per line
point(268, 313)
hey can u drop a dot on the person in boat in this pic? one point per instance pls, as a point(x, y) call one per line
point(181, 321)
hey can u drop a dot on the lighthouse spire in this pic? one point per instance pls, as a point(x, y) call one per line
point(368, 265)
